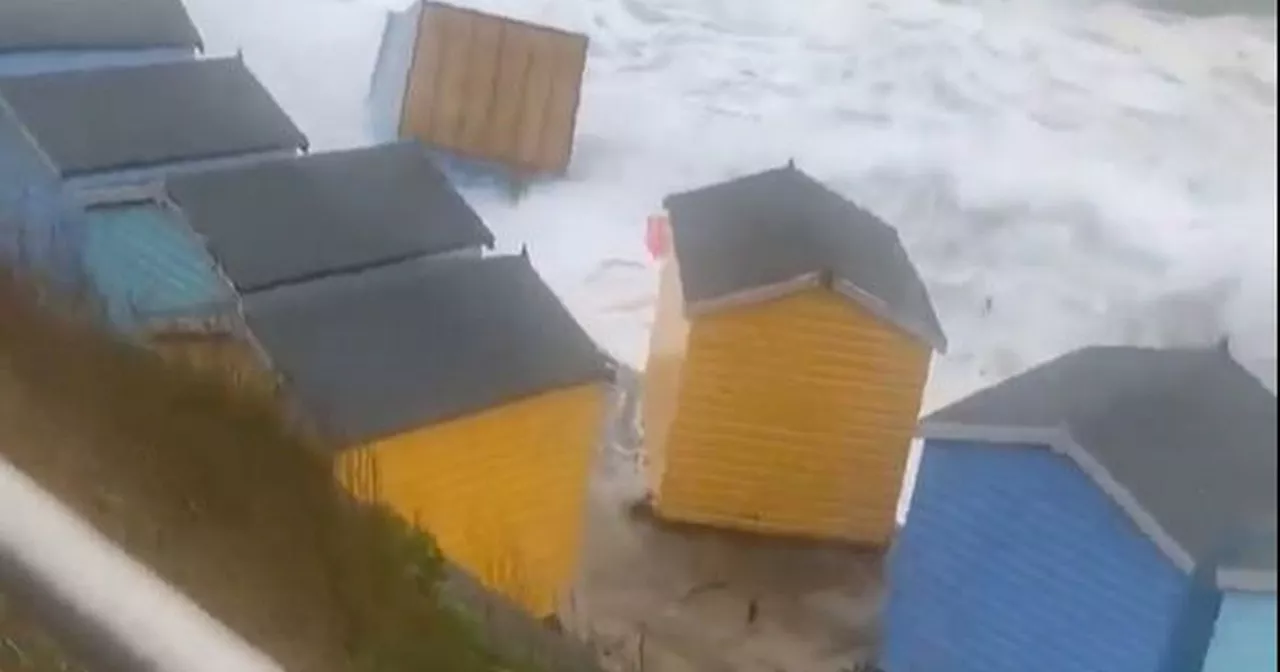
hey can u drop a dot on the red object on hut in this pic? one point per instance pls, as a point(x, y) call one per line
point(657, 236)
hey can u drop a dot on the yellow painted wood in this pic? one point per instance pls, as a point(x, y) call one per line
point(503, 492)
point(662, 371)
point(492, 88)
point(794, 417)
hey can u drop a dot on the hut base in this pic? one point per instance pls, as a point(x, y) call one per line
point(466, 172)
point(647, 510)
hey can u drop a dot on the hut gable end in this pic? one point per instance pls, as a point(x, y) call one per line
point(1184, 441)
point(830, 392)
point(1012, 559)
point(770, 234)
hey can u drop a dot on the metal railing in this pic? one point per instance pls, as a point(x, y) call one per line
point(81, 636)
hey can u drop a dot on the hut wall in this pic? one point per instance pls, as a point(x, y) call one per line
point(390, 76)
point(141, 262)
point(1012, 559)
point(503, 492)
point(1245, 637)
point(32, 208)
point(795, 418)
point(661, 388)
point(494, 89)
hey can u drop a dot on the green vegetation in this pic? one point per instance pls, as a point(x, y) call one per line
point(25, 647)
point(214, 489)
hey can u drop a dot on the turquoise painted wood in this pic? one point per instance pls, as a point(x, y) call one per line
point(1013, 560)
point(1245, 637)
point(142, 261)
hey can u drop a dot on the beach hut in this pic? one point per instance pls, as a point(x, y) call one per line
point(1244, 638)
point(466, 397)
point(479, 86)
point(38, 36)
point(788, 359)
point(1112, 510)
point(76, 139)
point(215, 236)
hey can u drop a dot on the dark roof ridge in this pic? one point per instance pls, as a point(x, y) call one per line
point(1089, 439)
point(768, 234)
point(142, 116)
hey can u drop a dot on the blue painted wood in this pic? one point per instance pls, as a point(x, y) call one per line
point(1189, 641)
point(1245, 637)
point(32, 207)
point(1012, 560)
point(142, 261)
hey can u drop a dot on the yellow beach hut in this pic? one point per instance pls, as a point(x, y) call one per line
point(479, 86)
point(791, 346)
point(468, 399)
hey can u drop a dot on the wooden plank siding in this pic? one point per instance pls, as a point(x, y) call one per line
point(503, 492)
point(661, 387)
point(490, 88)
point(1012, 559)
point(794, 418)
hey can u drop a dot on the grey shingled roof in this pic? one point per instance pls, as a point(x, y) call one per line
point(1184, 439)
point(374, 354)
point(113, 119)
point(773, 227)
point(82, 25)
point(293, 219)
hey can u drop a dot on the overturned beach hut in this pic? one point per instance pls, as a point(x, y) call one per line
point(789, 355)
point(175, 270)
point(466, 397)
point(479, 86)
point(38, 36)
point(77, 139)
point(1112, 509)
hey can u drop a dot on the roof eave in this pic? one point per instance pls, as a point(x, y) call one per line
point(1246, 580)
point(196, 46)
point(880, 309)
point(1060, 440)
point(812, 280)
point(201, 162)
point(754, 295)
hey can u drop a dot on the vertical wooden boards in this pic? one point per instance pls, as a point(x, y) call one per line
point(424, 71)
point(509, 107)
point(495, 89)
point(481, 71)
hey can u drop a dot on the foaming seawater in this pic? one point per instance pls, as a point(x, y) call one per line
point(1062, 172)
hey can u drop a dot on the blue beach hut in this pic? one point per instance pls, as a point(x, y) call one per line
point(1112, 510)
point(82, 139)
point(216, 236)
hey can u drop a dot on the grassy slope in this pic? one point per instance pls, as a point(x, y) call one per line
point(26, 647)
point(214, 491)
